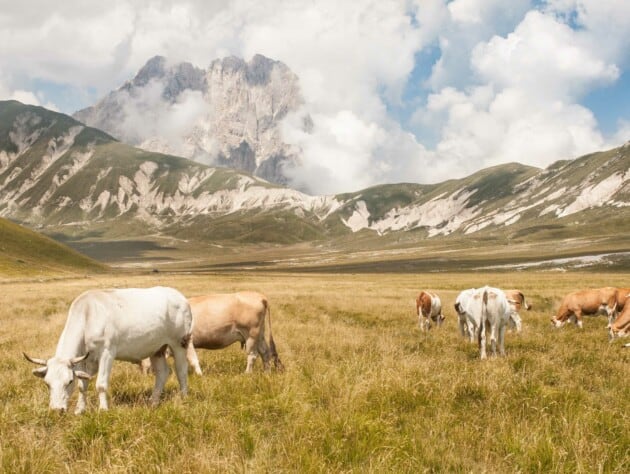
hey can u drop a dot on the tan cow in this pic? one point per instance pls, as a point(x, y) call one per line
point(516, 300)
point(622, 296)
point(586, 302)
point(220, 320)
point(620, 327)
point(429, 307)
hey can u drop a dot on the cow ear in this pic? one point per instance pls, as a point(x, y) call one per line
point(41, 372)
point(82, 375)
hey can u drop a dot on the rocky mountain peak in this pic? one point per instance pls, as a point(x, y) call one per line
point(233, 122)
point(153, 69)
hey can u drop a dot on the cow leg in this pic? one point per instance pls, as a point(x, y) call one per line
point(81, 402)
point(423, 321)
point(481, 336)
point(578, 319)
point(462, 327)
point(91, 368)
point(181, 368)
point(440, 320)
point(515, 321)
point(193, 360)
point(502, 330)
point(612, 313)
point(160, 368)
point(251, 351)
point(102, 379)
point(493, 339)
point(265, 353)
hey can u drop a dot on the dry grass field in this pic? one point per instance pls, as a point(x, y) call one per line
point(364, 389)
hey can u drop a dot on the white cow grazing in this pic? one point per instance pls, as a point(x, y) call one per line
point(118, 324)
point(487, 309)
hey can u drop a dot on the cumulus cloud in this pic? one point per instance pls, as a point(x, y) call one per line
point(345, 153)
point(507, 83)
point(543, 57)
point(523, 102)
point(147, 114)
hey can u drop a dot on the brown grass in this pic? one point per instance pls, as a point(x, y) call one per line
point(364, 389)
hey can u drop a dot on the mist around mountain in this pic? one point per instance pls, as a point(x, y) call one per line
point(58, 175)
point(226, 115)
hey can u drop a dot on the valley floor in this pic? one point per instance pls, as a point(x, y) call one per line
point(364, 390)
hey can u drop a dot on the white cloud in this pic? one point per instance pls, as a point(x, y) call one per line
point(621, 135)
point(466, 24)
point(543, 57)
point(523, 104)
point(27, 97)
point(507, 84)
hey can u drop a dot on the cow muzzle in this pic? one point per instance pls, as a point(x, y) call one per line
point(58, 408)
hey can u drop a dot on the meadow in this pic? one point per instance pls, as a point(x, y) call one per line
point(363, 391)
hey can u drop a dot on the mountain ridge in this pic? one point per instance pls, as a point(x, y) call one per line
point(59, 175)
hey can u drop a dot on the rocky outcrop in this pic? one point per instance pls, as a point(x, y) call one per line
point(227, 115)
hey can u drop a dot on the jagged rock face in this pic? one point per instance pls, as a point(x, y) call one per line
point(227, 115)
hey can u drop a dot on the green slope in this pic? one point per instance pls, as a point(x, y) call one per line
point(25, 253)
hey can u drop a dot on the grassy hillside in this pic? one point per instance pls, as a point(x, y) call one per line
point(24, 252)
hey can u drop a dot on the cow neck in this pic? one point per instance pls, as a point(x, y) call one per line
point(71, 342)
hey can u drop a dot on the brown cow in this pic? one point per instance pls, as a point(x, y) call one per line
point(516, 300)
point(429, 307)
point(622, 296)
point(620, 327)
point(220, 320)
point(586, 302)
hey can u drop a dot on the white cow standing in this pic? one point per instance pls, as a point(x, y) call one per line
point(117, 324)
point(486, 309)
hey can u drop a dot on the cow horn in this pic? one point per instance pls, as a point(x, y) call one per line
point(34, 361)
point(40, 372)
point(76, 360)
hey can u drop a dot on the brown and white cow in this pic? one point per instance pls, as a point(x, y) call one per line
point(429, 307)
point(586, 302)
point(620, 327)
point(220, 320)
point(516, 300)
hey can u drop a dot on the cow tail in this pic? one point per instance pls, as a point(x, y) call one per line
point(527, 306)
point(484, 307)
point(272, 345)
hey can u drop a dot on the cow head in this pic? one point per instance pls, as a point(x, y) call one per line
point(558, 322)
point(615, 332)
point(60, 376)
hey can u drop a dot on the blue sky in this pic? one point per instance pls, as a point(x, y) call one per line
point(422, 90)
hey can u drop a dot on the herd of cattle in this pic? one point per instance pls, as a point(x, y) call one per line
point(139, 325)
point(491, 310)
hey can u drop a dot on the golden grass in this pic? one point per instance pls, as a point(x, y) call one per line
point(364, 389)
